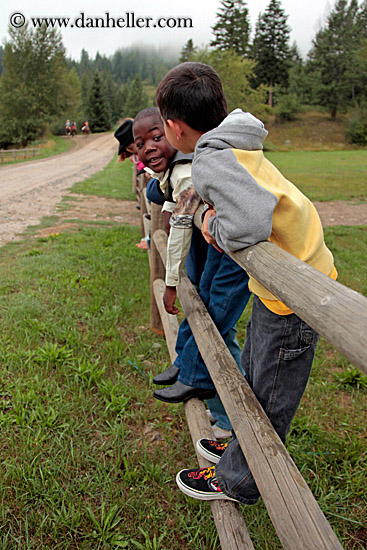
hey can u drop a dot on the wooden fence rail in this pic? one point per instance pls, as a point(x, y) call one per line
point(335, 311)
point(295, 514)
point(13, 154)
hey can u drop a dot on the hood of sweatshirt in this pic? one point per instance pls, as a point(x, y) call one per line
point(238, 130)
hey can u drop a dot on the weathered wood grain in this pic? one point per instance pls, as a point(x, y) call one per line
point(294, 512)
point(134, 181)
point(336, 312)
point(232, 530)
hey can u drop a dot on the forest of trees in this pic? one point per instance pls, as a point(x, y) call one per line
point(261, 70)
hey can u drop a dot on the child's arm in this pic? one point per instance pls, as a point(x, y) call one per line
point(179, 240)
point(205, 229)
point(244, 209)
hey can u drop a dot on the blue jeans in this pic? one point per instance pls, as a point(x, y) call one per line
point(215, 404)
point(277, 357)
point(224, 291)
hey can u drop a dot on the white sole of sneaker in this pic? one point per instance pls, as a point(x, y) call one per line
point(206, 454)
point(199, 495)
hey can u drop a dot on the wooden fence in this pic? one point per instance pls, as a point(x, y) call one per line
point(7, 155)
point(335, 311)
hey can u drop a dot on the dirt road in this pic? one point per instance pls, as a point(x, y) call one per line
point(32, 189)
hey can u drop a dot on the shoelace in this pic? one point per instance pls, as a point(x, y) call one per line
point(207, 473)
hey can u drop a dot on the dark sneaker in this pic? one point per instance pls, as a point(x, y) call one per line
point(210, 449)
point(201, 484)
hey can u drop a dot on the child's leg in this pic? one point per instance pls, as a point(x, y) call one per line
point(224, 291)
point(215, 404)
point(185, 336)
point(277, 358)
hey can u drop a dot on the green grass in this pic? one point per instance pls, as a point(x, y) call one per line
point(325, 176)
point(88, 457)
point(53, 146)
point(113, 182)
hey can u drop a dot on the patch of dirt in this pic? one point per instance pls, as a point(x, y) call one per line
point(31, 190)
point(91, 209)
point(98, 209)
point(342, 213)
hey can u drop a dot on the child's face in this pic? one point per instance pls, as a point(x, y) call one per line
point(153, 148)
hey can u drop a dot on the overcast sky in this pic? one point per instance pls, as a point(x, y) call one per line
point(305, 18)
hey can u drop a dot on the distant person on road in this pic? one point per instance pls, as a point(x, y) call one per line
point(85, 128)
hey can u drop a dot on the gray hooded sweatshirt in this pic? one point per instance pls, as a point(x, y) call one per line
point(253, 201)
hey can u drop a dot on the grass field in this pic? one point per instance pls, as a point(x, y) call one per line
point(88, 456)
point(326, 175)
point(113, 182)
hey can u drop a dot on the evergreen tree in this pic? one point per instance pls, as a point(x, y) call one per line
point(362, 20)
point(332, 57)
point(84, 64)
point(295, 56)
point(271, 49)
point(35, 87)
point(99, 116)
point(116, 96)
point(187, 51)
point(74, 96)
point(122, 97)
point(136, 99)
point(1, 59)
point(86, 84)
point(232, 30)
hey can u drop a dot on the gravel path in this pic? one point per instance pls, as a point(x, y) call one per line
point(32, 189)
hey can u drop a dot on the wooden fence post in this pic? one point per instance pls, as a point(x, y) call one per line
point(134, 179)
point(142, 203)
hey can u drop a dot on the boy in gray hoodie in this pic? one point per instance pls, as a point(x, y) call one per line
point(250, 201)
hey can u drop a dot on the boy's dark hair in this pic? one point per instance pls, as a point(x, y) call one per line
point(148, 112)
point(193, 93)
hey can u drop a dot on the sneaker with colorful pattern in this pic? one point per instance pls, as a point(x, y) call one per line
point(201, 484)
point(210, 449)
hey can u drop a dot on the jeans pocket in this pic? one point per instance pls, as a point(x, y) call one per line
point(307, 338)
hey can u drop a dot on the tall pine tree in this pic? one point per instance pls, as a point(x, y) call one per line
point(232, 30)
point(271, 49)
point(332, 57)
point(187, 51)
point(136, 99)
point(98, 109)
